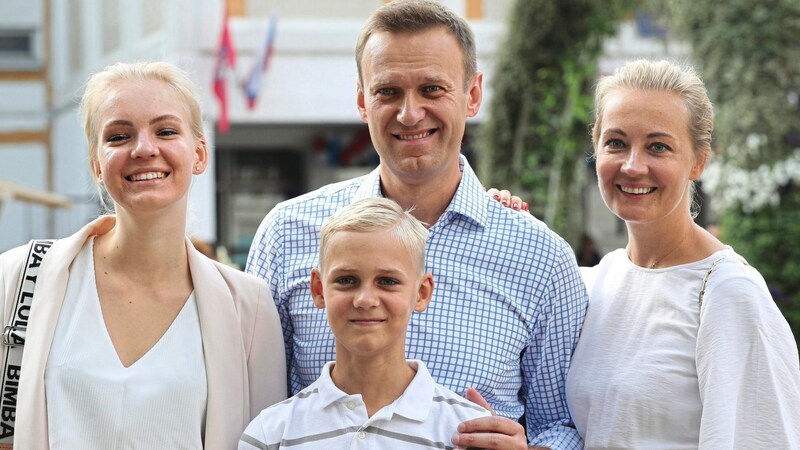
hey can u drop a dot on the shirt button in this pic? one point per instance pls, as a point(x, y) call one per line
point(362, 435)
point(350, 405)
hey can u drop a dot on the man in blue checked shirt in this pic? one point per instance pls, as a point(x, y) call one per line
point(509, 301)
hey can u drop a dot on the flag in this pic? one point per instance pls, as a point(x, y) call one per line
point(226, 59)
point(253, 83)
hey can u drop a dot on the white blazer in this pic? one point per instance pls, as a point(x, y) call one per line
point(242, 339)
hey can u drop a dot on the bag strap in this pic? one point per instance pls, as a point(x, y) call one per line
point(14, 339)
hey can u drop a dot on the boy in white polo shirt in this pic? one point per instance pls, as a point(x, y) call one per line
point(371, 276)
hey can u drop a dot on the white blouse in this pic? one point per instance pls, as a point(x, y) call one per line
point(93, 401)
point(653, 369)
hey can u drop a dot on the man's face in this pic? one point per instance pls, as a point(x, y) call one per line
point(412, 96)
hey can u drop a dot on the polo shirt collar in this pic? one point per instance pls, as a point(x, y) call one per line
point(414, 404)
point(328, 392)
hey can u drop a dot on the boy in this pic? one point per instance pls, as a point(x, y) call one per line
point(370, 278)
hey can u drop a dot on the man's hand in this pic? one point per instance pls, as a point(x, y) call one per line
point(489, 432)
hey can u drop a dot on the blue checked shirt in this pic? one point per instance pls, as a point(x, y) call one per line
point(506, 313)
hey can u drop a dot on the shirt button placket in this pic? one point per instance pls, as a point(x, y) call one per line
point(360, 441)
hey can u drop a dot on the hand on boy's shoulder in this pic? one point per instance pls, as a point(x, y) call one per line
point(493, 432)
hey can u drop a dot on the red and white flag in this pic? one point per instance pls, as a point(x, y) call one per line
point(226, 59)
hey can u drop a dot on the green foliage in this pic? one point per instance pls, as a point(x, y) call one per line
point(770, 240)
point(748, 53)
point(536, 139)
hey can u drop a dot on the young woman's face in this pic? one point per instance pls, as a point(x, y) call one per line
point(645, 156)
point(147, 153)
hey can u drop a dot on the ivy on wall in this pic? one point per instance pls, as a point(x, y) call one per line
point(536, 139)
point(748, 53)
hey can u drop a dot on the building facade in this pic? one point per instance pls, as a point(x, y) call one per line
point(302, 132)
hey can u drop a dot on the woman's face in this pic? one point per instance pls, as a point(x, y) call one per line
point(645, 156)
point(147, 153)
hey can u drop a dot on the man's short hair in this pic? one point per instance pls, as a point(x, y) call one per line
point(417, 16)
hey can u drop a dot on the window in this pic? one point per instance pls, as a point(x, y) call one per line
point(18, 49)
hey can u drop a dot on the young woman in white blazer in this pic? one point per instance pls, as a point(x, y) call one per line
point(135, 339)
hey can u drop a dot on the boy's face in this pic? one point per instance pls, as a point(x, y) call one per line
point(370, 285)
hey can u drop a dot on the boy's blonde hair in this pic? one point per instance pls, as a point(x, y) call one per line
point(371, 215)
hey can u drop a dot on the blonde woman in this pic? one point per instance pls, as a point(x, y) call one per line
point(683, 346)
point(135, 339)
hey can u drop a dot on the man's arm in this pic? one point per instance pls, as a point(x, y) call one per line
point(265, 260)
point(544, 367)
point(545, 364)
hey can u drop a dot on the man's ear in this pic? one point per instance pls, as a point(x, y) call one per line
point(360, 102)
point(316, 288)
point(424, 293)
point(475, 95)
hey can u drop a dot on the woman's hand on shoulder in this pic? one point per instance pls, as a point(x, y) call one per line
point(507, 199)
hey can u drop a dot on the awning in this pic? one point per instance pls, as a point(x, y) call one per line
point(14, 191)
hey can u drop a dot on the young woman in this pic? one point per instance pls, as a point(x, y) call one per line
point(135, 339)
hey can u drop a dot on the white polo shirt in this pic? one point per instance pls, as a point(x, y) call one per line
point(322, 416)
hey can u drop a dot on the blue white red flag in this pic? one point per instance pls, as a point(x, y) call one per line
point(226, 59)
point(253, 84)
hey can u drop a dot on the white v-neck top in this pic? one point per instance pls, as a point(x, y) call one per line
point(93, 401)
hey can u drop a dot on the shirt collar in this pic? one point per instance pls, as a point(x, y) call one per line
point(328, 392)
point(469, 201)
point(414, 404)
point(370, 185)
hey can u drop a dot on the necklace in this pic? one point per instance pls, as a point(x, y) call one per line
point(661, 258)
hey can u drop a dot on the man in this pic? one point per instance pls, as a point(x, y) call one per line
point(509, 303)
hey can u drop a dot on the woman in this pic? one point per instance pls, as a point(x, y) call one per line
point(135, 339)
point(682, 346)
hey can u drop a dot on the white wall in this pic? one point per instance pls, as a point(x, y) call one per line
point(19, 222)
point(312, 75)
point(312, 79)
point(23, 107)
